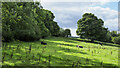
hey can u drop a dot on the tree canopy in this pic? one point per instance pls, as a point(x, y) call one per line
point(64, 32)
point(114, 33)
point(91, 27)
point(67, 32)
point(26, 21)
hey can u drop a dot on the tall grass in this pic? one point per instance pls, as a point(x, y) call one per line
point(59, 52)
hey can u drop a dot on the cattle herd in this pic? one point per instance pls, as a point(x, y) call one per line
point(43, 43)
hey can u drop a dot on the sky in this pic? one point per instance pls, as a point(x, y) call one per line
point(68, 13)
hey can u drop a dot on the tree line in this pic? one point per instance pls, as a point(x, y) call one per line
point(28, 21)
point(91, 27)
point(115, 37)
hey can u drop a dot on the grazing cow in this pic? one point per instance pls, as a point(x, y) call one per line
point(79, 46)
point(100, 43)
point(43, 43)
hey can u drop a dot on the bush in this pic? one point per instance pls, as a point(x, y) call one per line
point(7, 34)
point(116, 40)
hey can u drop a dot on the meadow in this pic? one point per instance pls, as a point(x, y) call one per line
point(60, 51)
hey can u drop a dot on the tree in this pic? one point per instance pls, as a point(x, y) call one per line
point(116, 40)
point(27, 21)
point(7, 19)
point(55, 29)
point(51, 25)
point(108, 37)
point(114, 33)
point(67, 32)
point(91, 27)
point(40, 19)
point(26, 28)
point(118, 34)
point(62, 32)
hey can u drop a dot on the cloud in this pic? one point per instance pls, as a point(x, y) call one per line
point(109, 16)
point(67, 14)
point(105, 13)
point(112, 24)
point(73, 31)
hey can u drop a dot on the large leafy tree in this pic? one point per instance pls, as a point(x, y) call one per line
point(50, 23)
point(67, 32)
point(27, 21)
point(108, 37)
point(91, 27)
point(55, 30)
point(64, 33)
point(27, 28)
point(39, 16)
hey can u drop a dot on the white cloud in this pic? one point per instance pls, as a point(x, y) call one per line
point(73, 31)
point(67, 14)
point(109, 16)
point(105, 13)
point(112, 24)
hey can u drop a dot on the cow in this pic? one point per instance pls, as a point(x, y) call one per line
point(79, 46)
point(100, 43)
point(43, 43)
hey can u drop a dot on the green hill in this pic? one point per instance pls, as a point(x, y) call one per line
point(60, 52)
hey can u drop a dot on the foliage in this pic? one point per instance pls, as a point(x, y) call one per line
point(6, 33)
point(26, 21)
point(116, 40)
point(114, 33)
point(51, 25)
point(108, 37)
point(67, 32)
point(64, 33)
point(0, 31)
point(61, 32)
point(118, 34)
point(91, 27)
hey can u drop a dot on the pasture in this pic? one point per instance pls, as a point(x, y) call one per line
point(59, 52)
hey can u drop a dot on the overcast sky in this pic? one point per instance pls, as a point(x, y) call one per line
point(68, 13)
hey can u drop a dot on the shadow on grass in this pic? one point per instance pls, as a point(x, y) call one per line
point(70, 61)
point(70, 41)
point(67, 50)
point(66, 44)
point(77, 62)
point(111, 44)
point(104, 43)
point(85, 61)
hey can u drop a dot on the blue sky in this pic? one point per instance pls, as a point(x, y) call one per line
point(68, 13)
point(111, 5)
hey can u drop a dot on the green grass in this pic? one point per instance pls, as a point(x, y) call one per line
point(60, 52)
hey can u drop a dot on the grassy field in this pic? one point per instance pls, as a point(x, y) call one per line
point(59, 52)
